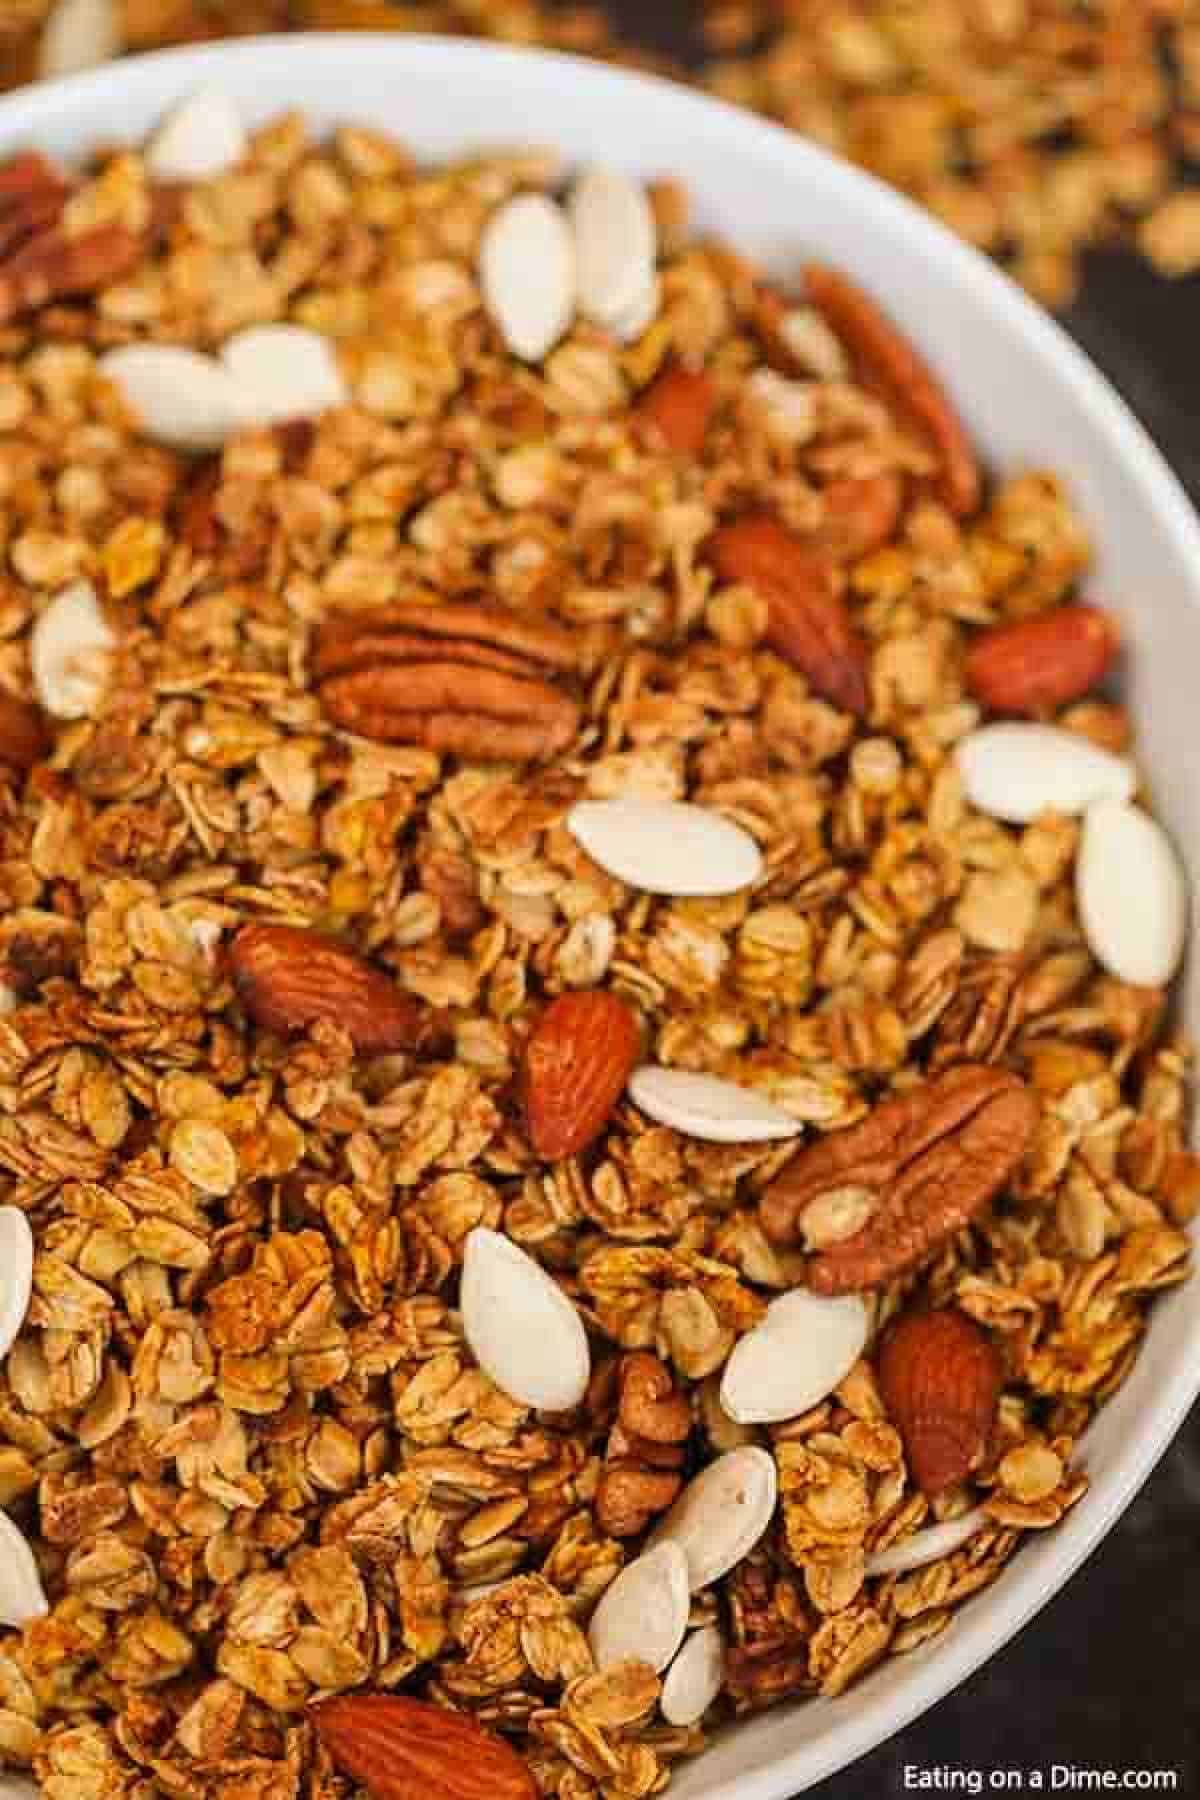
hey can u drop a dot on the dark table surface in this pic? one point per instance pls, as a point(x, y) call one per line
point(1108, 1674)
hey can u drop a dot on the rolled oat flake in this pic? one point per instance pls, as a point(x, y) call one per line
point(666, 846)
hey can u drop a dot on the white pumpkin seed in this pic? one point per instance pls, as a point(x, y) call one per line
point(179, 397)
point(644, 1612)
point(70, 648)
point(693, 1680)
point(79, 34)
point(22, 1596)
point(636, 319)
point(666, 846)
point(1132, 894)
point(794, 1357)
point(720, 1516)
point(285, 372)
point(527, 273)
point(926, 1546)
point(520, 1325)
point(200, 138)
point(706, 1107)
point(1015, 771)
point(615, 244)
point(16, 1273)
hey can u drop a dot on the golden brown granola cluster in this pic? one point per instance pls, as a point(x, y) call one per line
point(241, 1428)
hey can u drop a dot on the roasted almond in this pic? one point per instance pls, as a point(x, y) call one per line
point(402, 1749)
point(676, 409)
point(807, 620)
point(577, 1062)
point(940, 1378)
point(888, 361)
point(23, 734)
point(288, 978)
point(1038, 664)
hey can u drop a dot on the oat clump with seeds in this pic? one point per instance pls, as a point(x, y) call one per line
point(585, 1137)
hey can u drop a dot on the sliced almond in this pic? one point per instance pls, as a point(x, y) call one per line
point(22, 1596)
point(520, 1325)
point(703, 1106)
point(16, 1273)
point(79, 34)
point(666, 846)
point(527, 273)
point(1016, 770)
point(926, 1546)
point(694, 1679)
point(720, 1516)
point(644, 1613)
point(615, 243)
point(178, 397)
point(70, 648)
point(200, 138)
point(284, 372)
point(794, 1357)
point(1132, 894)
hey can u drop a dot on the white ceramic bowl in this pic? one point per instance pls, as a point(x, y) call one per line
point(1029, 397)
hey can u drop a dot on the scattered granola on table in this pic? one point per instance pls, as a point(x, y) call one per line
point(584, 1126)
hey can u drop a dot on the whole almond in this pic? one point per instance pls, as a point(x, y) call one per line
point(1039, 664)
point(807, 620)
point(940, 1378)
point(401, 1749)
point(576, 1065)
point(289, 977)
point(676, 408)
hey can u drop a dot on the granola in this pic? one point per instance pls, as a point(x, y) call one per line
point(378, 1318)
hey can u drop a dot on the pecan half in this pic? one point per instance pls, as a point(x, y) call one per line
point(888, 361)
point(807, 620)
point(449, 675)
point(49, 265)
point(23, 734)
point(644, 1459)
point(934, 1156)
point(676, 408)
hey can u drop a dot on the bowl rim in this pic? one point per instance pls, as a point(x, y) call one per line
point(165, 75)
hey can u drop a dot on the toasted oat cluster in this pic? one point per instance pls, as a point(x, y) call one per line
point(585, 1124)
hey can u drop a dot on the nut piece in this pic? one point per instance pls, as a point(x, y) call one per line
point(934, 1156)
point(23, 734)
point(289, 977)
point(676, 408)
point(48, 265)
point(576, 1065)
point(401, 1749)
point(1039, 664)
point(940, 1377)
point(642, 1474)
point(888, 361)
point(807, 620)
point(861, 514)
point(449, 676)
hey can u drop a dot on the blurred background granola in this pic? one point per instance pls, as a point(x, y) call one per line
point(1060, 136)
